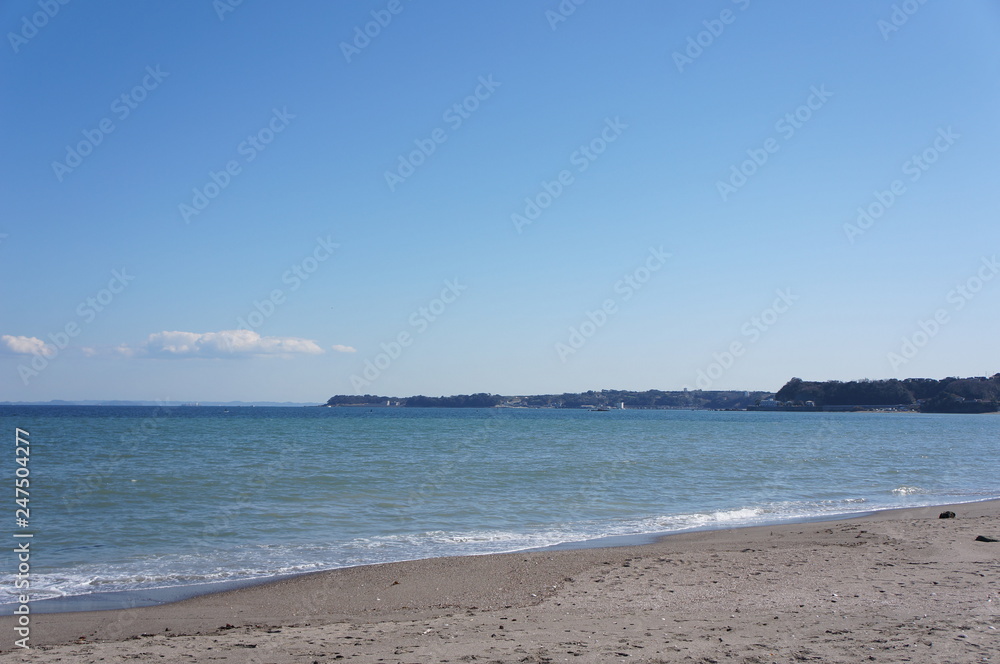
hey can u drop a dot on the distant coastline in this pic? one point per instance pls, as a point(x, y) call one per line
point(926, 395)
point(978, 394)
point(593, 400)
point(164, 404)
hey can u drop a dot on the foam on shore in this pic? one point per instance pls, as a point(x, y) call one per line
point(881, 585)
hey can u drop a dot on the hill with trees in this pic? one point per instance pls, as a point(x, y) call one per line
point(947, 395)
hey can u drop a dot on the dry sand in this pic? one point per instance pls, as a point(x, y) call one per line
point(897, 586)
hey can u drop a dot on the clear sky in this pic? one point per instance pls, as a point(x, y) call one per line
point(285, 201)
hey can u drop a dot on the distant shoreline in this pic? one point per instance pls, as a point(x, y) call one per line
point(166, 404)
point(885, 409)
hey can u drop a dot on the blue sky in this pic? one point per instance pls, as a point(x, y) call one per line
point(263, 202)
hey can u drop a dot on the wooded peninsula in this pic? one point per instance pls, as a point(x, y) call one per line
point(927, 395)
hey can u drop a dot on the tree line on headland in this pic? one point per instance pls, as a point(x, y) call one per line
point(735, 400)
point(947, 395)
point(929, 395)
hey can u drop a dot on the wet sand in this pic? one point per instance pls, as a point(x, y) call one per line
point(895, 586)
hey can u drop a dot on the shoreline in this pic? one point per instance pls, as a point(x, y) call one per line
point(165, 595)
point(816, 577)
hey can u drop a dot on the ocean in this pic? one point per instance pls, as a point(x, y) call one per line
point(137, 499)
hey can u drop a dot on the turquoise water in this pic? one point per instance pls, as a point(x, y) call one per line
point(134, 498)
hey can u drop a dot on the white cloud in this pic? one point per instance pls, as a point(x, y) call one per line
point(127, 351)
point(26, 346)
point(227, 343)
point(344, 349)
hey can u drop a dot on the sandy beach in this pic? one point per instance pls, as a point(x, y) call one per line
point(895, 586)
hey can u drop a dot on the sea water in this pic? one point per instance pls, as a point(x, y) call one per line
point(137, 498)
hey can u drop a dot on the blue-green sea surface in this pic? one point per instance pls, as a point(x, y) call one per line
point(131, 498)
